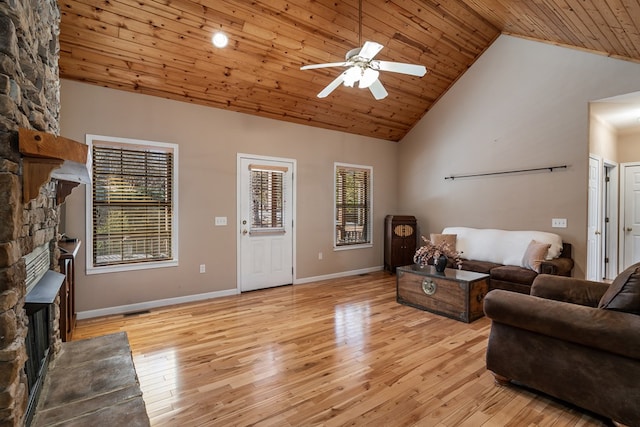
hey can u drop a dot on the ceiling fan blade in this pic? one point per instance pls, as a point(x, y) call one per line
point(377, 90)
point(330, 64)
point(332, 86)
point(369, 50)
point(400, 67)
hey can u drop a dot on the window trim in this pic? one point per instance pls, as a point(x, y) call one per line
point(369, 244)
point(134, 143)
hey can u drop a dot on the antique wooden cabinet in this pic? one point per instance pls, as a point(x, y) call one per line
point(457, 294)
point(399, 241)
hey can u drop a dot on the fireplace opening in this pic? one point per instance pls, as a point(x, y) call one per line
point(43, 285)
point(37, 343)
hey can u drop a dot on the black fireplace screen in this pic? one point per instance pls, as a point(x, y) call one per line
point(37, 343)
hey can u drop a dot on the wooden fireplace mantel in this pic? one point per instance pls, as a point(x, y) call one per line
point(47, 156)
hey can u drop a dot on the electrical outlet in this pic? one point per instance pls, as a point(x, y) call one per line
point(559, 222)
point(320, 256)
point(221, 220)
point(203, 268)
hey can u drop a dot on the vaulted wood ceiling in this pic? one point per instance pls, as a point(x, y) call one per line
point(163, 48)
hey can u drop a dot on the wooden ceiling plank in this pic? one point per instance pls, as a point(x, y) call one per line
point(633, 8)
point(610, 27)
point(416, 37)
point(589, 26)
point(493, 11)
point(627, 25)
point(429, 15)
point(461, 16)
point(552, 27)
point(521, 19)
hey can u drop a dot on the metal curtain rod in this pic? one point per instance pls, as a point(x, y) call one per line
point(549, 168)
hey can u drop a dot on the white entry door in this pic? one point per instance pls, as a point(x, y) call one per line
point(265, 222)
point(594, 233)
point(631, 220)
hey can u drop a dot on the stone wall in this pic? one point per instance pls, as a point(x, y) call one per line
point(29, 98)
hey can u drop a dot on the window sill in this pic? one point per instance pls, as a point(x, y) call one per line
point(131, 267)
point(349, 247)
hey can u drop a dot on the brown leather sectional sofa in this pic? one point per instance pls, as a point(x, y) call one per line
point(520, 279)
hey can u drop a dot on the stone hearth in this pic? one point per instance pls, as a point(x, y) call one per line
point(92, 383)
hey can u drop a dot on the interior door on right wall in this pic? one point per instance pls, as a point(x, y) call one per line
point(594, 241)
point(631, 212)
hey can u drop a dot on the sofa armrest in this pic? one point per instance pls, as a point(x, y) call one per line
point(558, 266)
point(607, 330)
point(568, 289)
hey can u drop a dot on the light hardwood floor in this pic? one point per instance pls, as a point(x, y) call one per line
point(339, 352)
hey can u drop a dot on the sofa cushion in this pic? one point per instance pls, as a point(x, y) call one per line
point(624, 292)
point(510, 273)
point(478, 266)
point(534, 255)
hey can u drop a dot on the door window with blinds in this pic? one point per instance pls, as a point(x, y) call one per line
point(132, 205)
point(267, 204)
point(352, 206)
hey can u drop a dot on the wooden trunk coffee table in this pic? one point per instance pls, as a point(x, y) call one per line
point(457, 294)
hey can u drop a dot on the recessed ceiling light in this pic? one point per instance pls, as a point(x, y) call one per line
point(220, 39)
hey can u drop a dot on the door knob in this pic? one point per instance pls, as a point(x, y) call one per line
point(244, 232)
point(629, 229)
point(597, 233)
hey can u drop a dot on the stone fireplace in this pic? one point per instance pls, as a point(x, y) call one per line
point(29, 98)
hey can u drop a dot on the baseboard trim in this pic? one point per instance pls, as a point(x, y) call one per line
point(336, 275)
point(147, 305)
point(129, 308)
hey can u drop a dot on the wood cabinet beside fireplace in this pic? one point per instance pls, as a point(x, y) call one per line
point(68, 252)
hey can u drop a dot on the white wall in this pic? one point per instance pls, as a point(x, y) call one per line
point(523, 104)
point(209, 140)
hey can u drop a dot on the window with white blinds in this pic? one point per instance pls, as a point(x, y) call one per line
point(133, 209)
point(267, 189)
point(353, 206)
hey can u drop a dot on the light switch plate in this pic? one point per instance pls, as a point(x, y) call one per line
point(221, 220)
point(559, 222)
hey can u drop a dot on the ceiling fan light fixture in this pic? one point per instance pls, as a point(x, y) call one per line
point(351, 76)
point(369, 76)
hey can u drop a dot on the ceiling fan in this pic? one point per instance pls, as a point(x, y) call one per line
point(363, 69)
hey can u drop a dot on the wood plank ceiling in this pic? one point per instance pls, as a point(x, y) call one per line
point(163, 48)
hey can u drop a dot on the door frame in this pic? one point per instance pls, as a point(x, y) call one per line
point(611, 210)
point(292, 205)
point(622, 204)
point(610, 245)
point(595, 260)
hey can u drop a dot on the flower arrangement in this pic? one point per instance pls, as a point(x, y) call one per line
point(433, 251)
